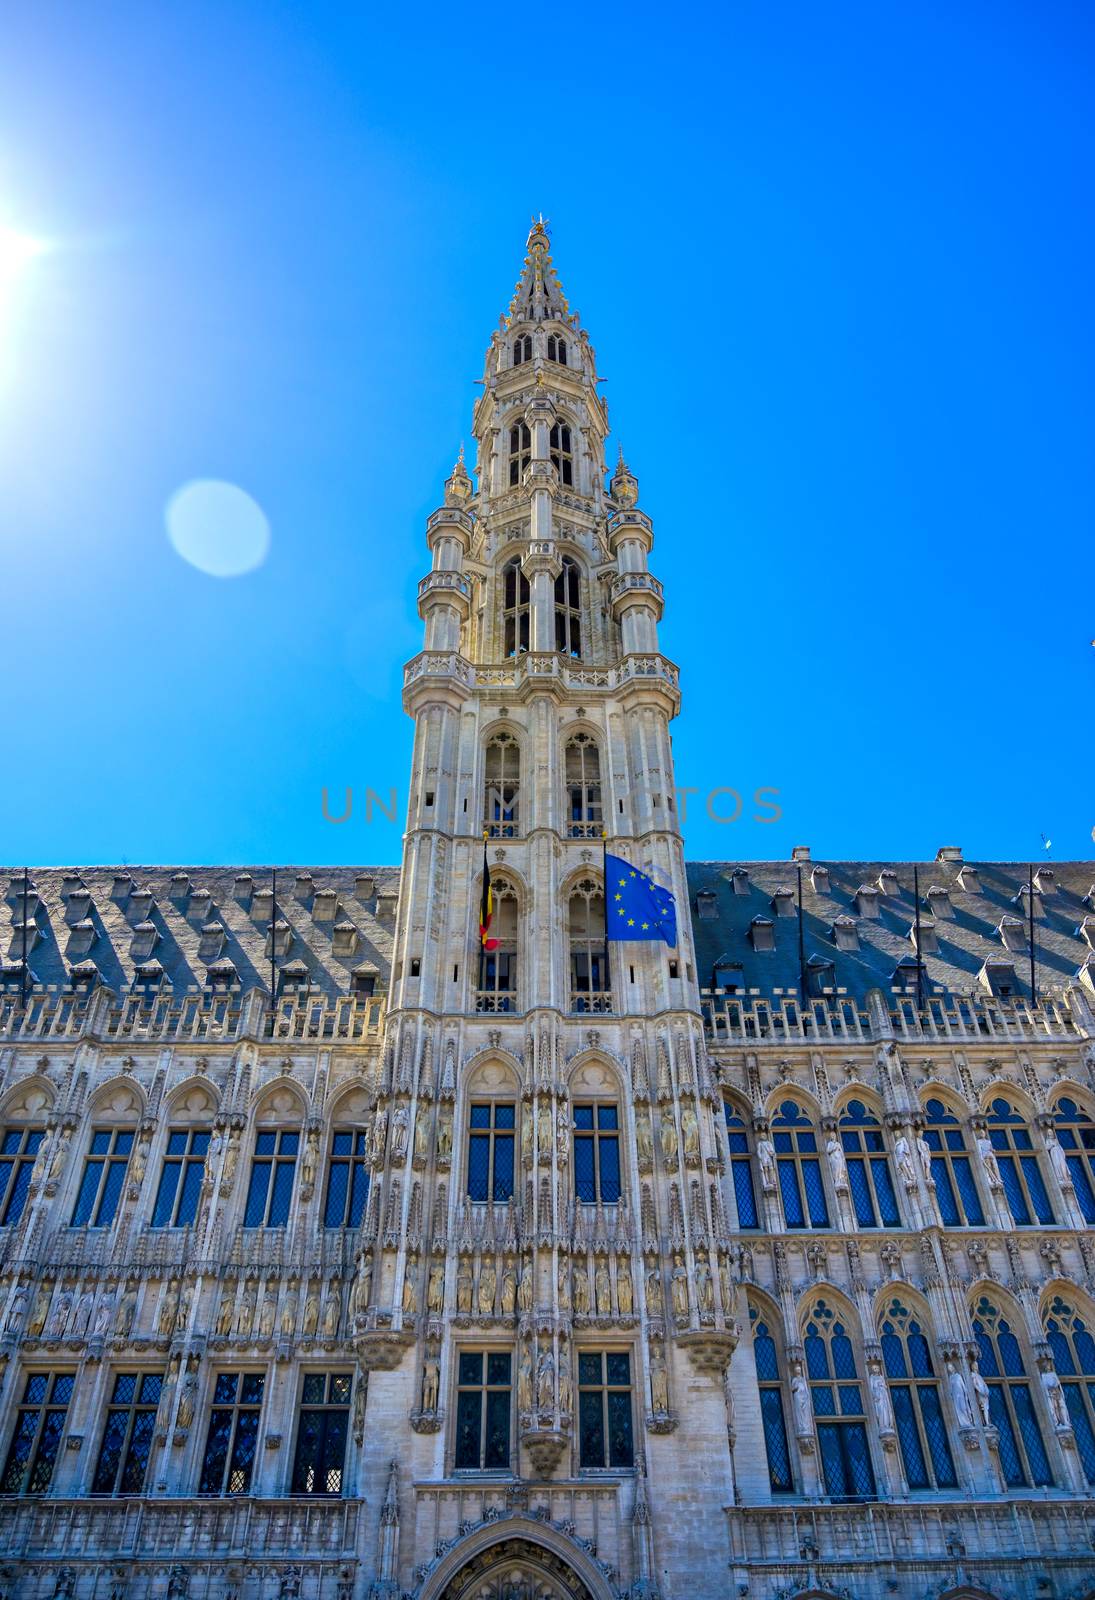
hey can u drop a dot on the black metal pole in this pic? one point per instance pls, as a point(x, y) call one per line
point(23, 974)
point(919, 958)
point(1030, 935)
point(482, 897)
point(801, 947)
point(273, 936)
point(605, 978)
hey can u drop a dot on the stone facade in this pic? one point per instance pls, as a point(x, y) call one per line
point(760, 1265)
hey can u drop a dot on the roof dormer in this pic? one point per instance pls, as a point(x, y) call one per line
point(345, 940)
point(212, 942)
point(201, 904)
point(783, 903)
point(325, 905)
point(762, 934)
point(707, 905)
point(940, 901)
point(1013, 933)
point(968, 880)
point(283, 939)
point(144, 940)
point(77, 906)
point(929, 939)
point(739, 880)
point(844, 933)
point(867, 899)
point(81, 938)
point(888, 884)
point(1045, 880)
point(819, 879)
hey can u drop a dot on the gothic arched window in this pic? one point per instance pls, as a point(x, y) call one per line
point(914, 1395)
point(582, 766)
point(516, 599)
point(520, 451)
point(1074, 1358)
point(868, 1168)
point(568, 610)
point(1076, 1132)
point(766, 1357)
point(497, 991)
point(741, 1167)
point(1010, 1138)
point(557, 348)
point(799, 1168)
point(955, 1188)
point(837, 1396)
point(522, 349)
point(561, 455)
point(1023, 1456)
point(491, 1125)
point(589, 974)
point(502, 787)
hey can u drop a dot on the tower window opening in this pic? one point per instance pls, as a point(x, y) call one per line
point(502, 775)
point(522, 349)
point(568, 610)
point(582, 763)
point(520, 451)
point(590, 980)
point(561, 454)
point(515, 609)
point(557, 349)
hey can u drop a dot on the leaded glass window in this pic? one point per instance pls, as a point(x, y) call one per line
point(604, 1409)
point(233, 1431)
point(1073, 1349)
point(568, 600)
point(320, 1460)
point(491, 1127)
point(1011, 1405)
point(522, 349)
point(800, 1182)
point(741, 1168)
point(562, 457)
point(347, 1179)
point(39, 1424)
point(1076, 1131)
point(955, 1186)
point(483, 1407)
point(582, 762)
point(1011, 1140)
point(590, 978)
point(502, 787)
point(520, 451)
point(103, 1177)
point(273, 1169)
point(127, 1436)
point(837, 1396)
point(772, 1413)
point(181, 1178)
point(914, 1395)
point(498, 968)
point(597, 1152)
point(869, 1177)
point(557, 348)
point(18, 1148)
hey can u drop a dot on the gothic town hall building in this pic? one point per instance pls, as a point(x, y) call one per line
point(762, 1266)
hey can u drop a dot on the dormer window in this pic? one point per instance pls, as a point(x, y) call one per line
point(762, 933)
point(905, 973)
point(783, 903)
point(363, 981)
point(844, 933)
point(707, 905)
point(293, 975)
point(866, 900)
point(81, 938)
point(940, 901)
point(522, 349)
point(729, 975)
point(998, 977)
point(77, 906)
point(1086, 931)
point(520, 451)
point(887, 882)
point(819, 880)
point(140, 904)
point(145, 935)
point(344, 939)
point(739, 880)
point(1022, 900)
point(201, 903)
point(325, 905)
point(212, 941)
point(820, 976)
point(929, 939)
point(557, 348)
point(1013, 933)
point(969, 881)
point(1045, 880)
point(562, 458)
point(282, 939)
point(222, 974)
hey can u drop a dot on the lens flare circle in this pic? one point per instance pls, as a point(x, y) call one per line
point(218, 528)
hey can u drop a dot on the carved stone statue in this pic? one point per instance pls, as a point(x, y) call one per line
point(435, 1288)
point(422, 1138)
point(103, 1316)
point(644, 1139)
point(182, 1309)
point(81, 1317)
point(463, 1286)
point(705, 1290)
point(726, 1287)
point(562, 1139)
point(245, 1315)
point(766, 1157)
point(655, 1300)
point(380, 1135)
point(988, 1161)
point(59, 1316)
point(127, 1310)
point(308, 1160)
point(566, 1391)
point(603, 1286)
point(526, 1286)
point(165, 1316)
point(524, 1381)
point(509, 1289)
point(659, 1381)
point(57, 1165)
point(1058, 1161)
point(268, 1313)
point(231, 1159)
point(960, 1397)
point(984, 1400)
point(800, 1397)
point(1055, 1399)
point(690, 1131)
point(668, 1135)
point(363, 1283)
point(838, 1167)
point(581, 1289)
point(332, 1310)
point(290, 1308)
point(311, 1311)
point(545, 1133)
point(431, 1384)
point(410, 1288)
point(444, 1135)
point(488, 1287)
point(625, 1289)
point(400, 1132)
point(880, 1399)
point(16, 1310)
point(526, 1139)
point(41, 1310)
point(224, 1312)
point(680, 1289)
point(906, 1166)
point(545, 1382)
point(187, 1398)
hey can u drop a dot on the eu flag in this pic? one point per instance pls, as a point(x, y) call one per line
point(636, 907)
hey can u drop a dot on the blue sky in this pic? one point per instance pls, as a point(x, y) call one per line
point(836, 262)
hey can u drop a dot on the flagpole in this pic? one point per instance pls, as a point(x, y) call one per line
point(801, 948)
point(482, 896)
point(919, 962)
point(23, 974)
point(605, 979)
point(273, 937)
point(1030, 934)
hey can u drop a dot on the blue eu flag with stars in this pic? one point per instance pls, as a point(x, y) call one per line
point(635, 906)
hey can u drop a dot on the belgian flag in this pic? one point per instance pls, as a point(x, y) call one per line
point(486, 906)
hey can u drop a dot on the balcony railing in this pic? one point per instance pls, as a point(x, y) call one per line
point(195, 1015)
point(497, 1002)
point(583, 1001)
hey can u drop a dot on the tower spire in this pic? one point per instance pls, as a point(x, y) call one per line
point(538, 295)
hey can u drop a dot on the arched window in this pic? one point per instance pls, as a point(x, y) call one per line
point(868, 1168)
point(1076, 1132)
point(515, 609)
point(522, 349)
point(582, 764)
point(497, 991)
point(590, 980)
point(557, 348)
point(520, 451)
point(1074, 1358)
point(597, 1152)
point(741, 1168)
point(914, 1395)
point(839, 1416)
point(1014, 1147)
point(955, 1188)
point(799, 1168)
point(502, 788)
point(568, 610)
point(1011, 1404)
point(771, 1403)
point(491, 1126)
point(561, 456)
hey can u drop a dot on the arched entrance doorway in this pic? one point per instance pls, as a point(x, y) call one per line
point(515, 1569)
